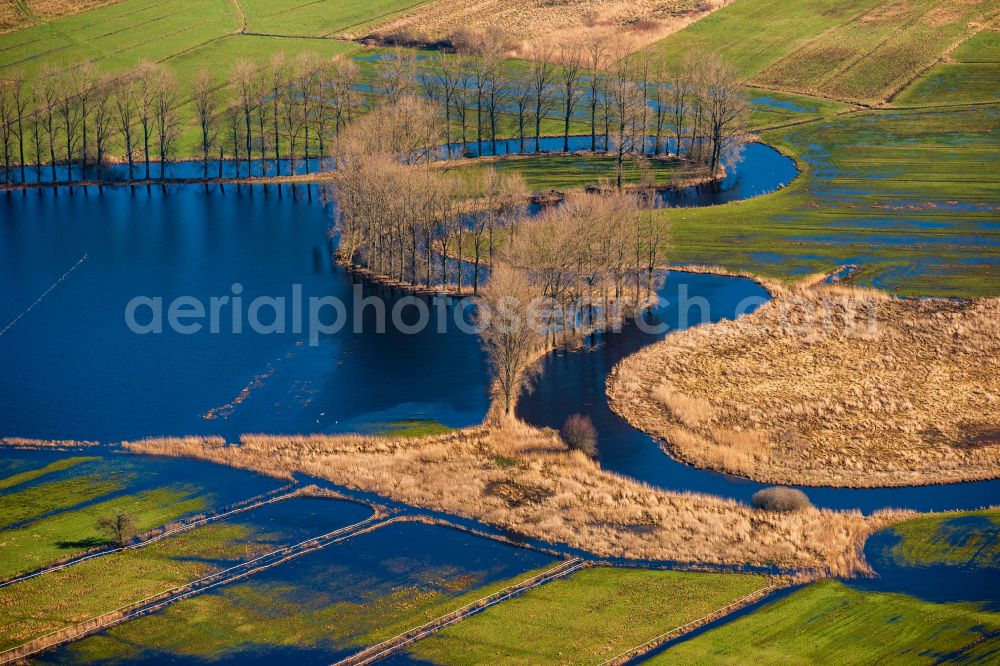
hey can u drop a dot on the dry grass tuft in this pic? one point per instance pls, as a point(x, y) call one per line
point(828, 386)
point(525, 479)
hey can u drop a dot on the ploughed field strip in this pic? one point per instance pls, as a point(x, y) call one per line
point(861, 50)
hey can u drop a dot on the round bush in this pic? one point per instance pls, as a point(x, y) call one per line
point(780, 499)
point(580, 434)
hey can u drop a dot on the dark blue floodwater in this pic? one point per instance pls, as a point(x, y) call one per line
point(72, 368)
point(397, 559)
point(574, 381)
point(761, 169)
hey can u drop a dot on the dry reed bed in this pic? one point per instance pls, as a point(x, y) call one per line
point(534, 24)
point(827, 386)
point(525, 479)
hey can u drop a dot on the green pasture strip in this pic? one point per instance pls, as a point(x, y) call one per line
point(587, 617)
point(831, 623)
point(31, 475)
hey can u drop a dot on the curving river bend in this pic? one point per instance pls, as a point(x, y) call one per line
point(72, 260)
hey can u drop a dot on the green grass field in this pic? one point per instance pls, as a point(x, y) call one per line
point(320, 18)
point(45, 498)
point(981, 47)
point(567, 172)
point(953, 83)
point(593, 615)
point(905, 194)
point(831, 623)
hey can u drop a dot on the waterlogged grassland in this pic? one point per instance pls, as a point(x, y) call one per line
point(37, 606)
point(590, 616)
point(329, 603)
point(65, 534)
point(908, 195)
point(953, 83)
point(32, 474)
point(320, 18)
point(830, 623)
point(969, 539)
point(773, 108)
point(752, 34)
point(565, 172)
point(53, 496)
point(32, 607)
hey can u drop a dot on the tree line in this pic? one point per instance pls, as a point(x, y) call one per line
point(291, 108)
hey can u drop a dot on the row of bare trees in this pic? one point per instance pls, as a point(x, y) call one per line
point(77, 116)
point(290, 108)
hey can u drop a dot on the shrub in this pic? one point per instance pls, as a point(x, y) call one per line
point(779, 498)
point(580, 434)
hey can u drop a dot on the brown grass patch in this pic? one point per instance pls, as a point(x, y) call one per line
point(551, 493)
point(829, 386)
point(538, 23)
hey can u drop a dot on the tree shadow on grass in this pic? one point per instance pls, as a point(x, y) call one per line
point(89, 542)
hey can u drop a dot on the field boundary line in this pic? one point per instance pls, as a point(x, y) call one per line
point(385, 648)
point(682, 629)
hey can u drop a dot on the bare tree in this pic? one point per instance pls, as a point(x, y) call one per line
point(449, 79)
point(126, 114)
point(50, 101)
point(243, 82)
point(119, 526)
point(596, 59)
point(496, 94)
point(103, 113)
point(571, 71)
point(307, 66)
point(206, 106)
point(165, 103)
point(542, 80)
point(345, 92)
point(21, 98)
point(235, 128)
point(680, 101)
point(68, 107)
point(278, 91)
point(726, 110)
point(521, 94)
point(629, 109)
point(7, 121)
point(396, 74)
point(90, 89)
point(508, 336)
point(147, 77)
